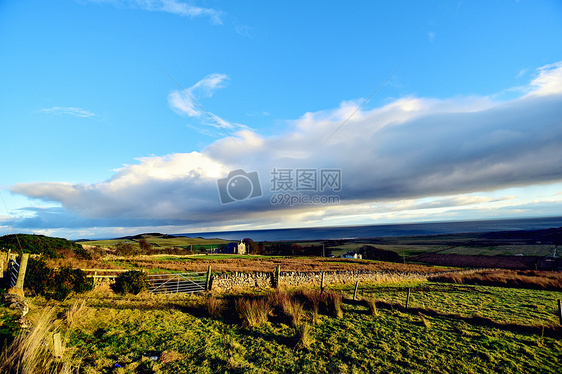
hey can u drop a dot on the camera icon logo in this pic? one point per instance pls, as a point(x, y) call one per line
point(239, 185)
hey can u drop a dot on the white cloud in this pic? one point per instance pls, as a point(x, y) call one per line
point(548, 81)
point(72, 111)
point(186, 102)
point(176, 7)
point(407, 159)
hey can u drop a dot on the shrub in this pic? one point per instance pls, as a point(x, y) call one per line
point(55, 284)
point(38, 244)
point(373, 253)
point(126, 249)
point(67, 280)
point(133, 281)
point(38, 277)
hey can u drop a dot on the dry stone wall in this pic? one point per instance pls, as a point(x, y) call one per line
point(236, 280)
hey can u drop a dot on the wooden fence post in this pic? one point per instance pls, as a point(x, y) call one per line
point(18, 288)
point(57, 345)
point(208, 280)
point(355, 292)
point(277, 276)
point(322, 283)
point(408, 299)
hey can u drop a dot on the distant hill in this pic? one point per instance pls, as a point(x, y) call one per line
point(146, 235)
point(38, 244)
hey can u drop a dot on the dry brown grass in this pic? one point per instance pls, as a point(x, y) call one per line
point(331, 303)
point(74, 314)
point(311, 299)
point(541, 280)
point(291, 308)
point(253, 311)
point(170, 356)
point(214, 307)
point(303, 336)
point(268, 264)
point(32, 352)
point(371, 305)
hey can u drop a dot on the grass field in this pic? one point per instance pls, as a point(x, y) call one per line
point(176, 331)
point(230, 263)
point(179, 241)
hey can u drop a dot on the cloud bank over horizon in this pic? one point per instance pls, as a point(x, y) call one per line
point(413, 153)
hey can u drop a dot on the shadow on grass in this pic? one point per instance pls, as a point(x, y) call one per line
point(548, 331)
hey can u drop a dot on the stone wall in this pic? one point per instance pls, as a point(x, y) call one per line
point(236, 280)
point(267, 280)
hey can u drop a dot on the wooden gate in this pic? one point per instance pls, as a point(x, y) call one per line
point(175, 283)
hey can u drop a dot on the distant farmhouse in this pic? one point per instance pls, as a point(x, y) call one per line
point(236, 248)
point(352, 255)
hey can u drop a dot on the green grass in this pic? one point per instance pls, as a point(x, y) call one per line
point(162, 242)
point(508, 305)
point(127, 330)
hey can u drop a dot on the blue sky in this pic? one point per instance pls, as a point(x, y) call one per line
point(99, 140)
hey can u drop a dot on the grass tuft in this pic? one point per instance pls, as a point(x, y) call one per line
point(74, 313)
point(293, 309)
point(253, 311)
point(371, 305)
point(303, 337)
point(331, 304)
point(33, 352)
point(215, 307)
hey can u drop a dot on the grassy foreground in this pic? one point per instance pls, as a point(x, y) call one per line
point(108, 333)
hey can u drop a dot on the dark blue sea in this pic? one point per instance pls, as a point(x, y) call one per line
point(373, 231)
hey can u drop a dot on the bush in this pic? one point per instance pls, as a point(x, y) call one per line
point(39, 244)
point(38, 277)
point(67, 280)
point(133, 281)
point(126, 249)
point(373, 253)
point(55, 284)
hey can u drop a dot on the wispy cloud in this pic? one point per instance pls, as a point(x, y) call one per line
point(72, 111)
point(431, 36)
point(182, 103)
point(186, 103)
point(402, 160)
point(177, 7)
